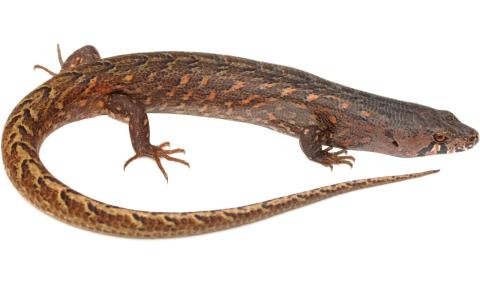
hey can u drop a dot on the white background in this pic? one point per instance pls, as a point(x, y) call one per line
point(421, 233)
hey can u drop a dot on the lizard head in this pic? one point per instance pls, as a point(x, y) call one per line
point(430, 131)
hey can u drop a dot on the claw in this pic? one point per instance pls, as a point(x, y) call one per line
point(328, 149)
point(44, 69)
point(345, 162)
point(173, 151)
point(339, 152)
point(170, 158)
point(60, 60)
point(329, 159)
point(350, 158)
point(164, 144)
point(158, 152)
point(136, 156)
point(159, 164)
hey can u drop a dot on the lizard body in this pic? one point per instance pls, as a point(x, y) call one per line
point(318, 112)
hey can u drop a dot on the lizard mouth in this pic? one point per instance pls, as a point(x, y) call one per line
point(443, 148)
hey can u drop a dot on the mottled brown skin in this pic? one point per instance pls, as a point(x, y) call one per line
point(318, 112)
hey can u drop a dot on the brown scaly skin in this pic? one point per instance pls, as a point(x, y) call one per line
point(318, 112)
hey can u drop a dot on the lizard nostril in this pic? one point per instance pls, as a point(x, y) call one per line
point(472, 140)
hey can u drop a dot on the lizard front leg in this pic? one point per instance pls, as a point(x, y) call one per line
point(313, 138)
point(123, 107)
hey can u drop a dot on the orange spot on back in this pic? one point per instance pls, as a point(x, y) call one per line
point(185, 79)
point(100, 104)
point(172, 92)
point(332, 119)
point(345, 105)
point(188, 95)
point(365, 114)
point(82, 103)
point(249, 99)
point(212, 95)
point(128, 78)
point(259, 105)
point(204, 81)
point(312, 97)
point(288, 91)
point(266, 85)
point(237, 85)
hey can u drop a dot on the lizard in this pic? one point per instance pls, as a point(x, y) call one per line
point(323, 115)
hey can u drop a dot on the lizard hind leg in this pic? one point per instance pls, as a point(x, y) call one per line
point(311, 141)
point(84, 55)
point(121, 106)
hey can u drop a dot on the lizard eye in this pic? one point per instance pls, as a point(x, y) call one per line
point(440, 137)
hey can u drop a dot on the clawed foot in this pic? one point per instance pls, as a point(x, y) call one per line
point(158, 152)
point(41, 67)
point(327, 158)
